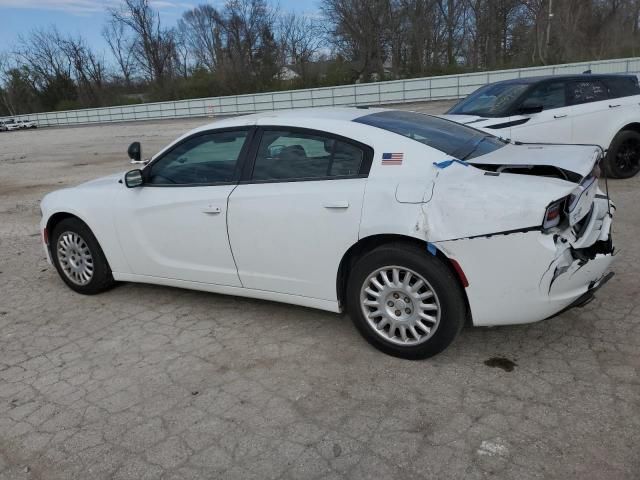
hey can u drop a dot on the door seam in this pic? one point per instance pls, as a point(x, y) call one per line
point(233, 257)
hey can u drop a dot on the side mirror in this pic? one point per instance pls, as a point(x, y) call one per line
point(133, 178)
point(529, 108)
point(135, 152)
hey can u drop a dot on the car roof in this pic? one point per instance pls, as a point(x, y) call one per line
point(580, 76)
point(345, 114)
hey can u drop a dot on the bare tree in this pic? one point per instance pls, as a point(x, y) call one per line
point(121, 47)
point(360, 32)
point(300, 39)
point(453, 13)
point(88, 69)
point(5, 96)
point(201, 28)
point(154, 45)
point(182, 52)
point(40, 51)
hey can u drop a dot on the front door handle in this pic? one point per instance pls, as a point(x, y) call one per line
point(614, 106)
point(559, 116)
point(212, 210)
point(336, 204)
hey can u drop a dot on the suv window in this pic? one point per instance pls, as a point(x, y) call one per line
point(291, 155)
point(622, 86)
point(200, 160)
point(549, 95)
point(493, 100)
point(587, 91)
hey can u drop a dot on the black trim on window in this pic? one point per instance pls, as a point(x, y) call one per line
point(247, 171)
point(242, 157)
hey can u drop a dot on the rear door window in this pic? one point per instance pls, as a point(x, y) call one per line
point(587, 91)
point(285, 155)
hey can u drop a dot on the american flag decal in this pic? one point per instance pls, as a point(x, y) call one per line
point(392, 158)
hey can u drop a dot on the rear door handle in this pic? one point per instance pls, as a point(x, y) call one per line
point(212, 210)
point(336, 204)
point(614, 106)
point(560, 116)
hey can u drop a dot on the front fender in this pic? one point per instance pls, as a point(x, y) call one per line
point(94, 208)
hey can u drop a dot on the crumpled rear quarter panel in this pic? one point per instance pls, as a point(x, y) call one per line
point(510, 277)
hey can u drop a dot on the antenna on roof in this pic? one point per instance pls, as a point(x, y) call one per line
point(588, 72)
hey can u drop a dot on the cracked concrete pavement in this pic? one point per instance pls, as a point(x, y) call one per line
point(153, 382)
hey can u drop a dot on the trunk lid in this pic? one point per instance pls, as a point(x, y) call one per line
point(514, 158)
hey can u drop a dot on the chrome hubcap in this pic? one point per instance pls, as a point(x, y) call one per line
point(75, 258)
point(400, 305)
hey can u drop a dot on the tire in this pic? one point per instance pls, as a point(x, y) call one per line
point(71, 240)
point(437, 278)
point(623, 156)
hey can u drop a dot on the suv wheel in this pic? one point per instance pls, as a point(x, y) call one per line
point(623, 157)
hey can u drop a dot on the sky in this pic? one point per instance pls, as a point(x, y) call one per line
point(86, 17)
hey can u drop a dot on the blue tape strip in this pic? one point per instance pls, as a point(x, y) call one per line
point(431, 248)
point(446, 163)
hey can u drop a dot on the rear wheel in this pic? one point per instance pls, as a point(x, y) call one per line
point(405, 302)
point(79, 259)
point(623, 157)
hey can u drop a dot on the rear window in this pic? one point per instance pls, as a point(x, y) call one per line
point(457, 140)
point(622, 86)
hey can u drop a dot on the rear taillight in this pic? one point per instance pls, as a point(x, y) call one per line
point(553, 215)
point(45, 236)
point(596, 172)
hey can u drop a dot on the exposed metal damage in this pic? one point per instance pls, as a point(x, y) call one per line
point(561, 221)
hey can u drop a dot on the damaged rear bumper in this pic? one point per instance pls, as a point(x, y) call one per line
point(534, 275)
point(589, 295)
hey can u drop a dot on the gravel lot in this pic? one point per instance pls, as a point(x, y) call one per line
point(153, 382)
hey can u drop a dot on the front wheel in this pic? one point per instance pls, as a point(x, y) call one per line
point(623, 157)
point(79, 259)
point(405, 302)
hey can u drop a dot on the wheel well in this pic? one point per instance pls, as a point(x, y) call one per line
point(367, 244)
point(635, 127)
point(56, 218)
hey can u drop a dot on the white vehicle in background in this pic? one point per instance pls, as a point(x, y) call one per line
point(11, 124)
point(412, 223)
point(25, 124)
point(576, 109)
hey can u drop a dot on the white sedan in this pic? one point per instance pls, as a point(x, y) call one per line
point(412, 223)
point(26, 124)
point(11, 124)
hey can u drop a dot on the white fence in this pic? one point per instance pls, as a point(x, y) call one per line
point(397, 91)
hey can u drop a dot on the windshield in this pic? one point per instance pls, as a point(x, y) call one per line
point(457, 140)
point(491, 100)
